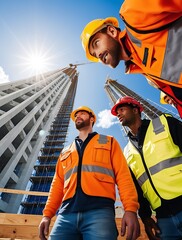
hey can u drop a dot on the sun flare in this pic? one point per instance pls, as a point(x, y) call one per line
point(37, 60)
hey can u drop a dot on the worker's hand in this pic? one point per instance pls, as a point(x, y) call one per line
point(151, 229)
point(44, 228)
point(130, 222)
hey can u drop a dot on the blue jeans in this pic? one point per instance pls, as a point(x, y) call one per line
point(171, 227)
point(97, 224)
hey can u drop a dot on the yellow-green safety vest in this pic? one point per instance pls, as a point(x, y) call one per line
point(163, 160)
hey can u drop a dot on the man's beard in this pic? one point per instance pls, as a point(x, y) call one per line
point(115, 53)
point(82, 124)
point(127, 122)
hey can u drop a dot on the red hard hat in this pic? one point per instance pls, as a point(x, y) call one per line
point(126, 100)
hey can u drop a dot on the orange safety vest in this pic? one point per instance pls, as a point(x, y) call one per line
point(97, 175)
point(103, 166)
point(153, 35)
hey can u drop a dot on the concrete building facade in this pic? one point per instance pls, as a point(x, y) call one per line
point(28, 109)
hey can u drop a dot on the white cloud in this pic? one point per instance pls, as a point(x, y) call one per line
point(3, 76)
point(106, 119)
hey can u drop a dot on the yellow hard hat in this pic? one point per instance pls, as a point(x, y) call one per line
point(83, 108)
point(93, 27)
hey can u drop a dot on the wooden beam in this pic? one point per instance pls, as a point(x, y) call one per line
point(25, 227)
point(24, 192)
point(34, 193)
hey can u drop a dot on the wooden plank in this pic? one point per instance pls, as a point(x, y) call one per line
point(15, 191)
point(34, 193)
point(5, 238)
point(25, 227)
point(21, 219)
point(20, 226)
point(21, 232)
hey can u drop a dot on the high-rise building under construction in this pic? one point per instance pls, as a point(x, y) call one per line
point(34, 120)
point(151, 110)
point(116, 90)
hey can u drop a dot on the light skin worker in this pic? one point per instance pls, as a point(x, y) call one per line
point(130, 225)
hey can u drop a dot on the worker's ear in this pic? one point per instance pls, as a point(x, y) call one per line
point(112, 31)
point(92, 119)
point(135, 110)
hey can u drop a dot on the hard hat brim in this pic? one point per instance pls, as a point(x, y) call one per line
point(121, 102)
point(113, 110)
point(83, 108)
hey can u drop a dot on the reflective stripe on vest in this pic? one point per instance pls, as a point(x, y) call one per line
point(160, 166)
point(90, 168)
point(158, 128)
point(157, 125)
point(102, 139)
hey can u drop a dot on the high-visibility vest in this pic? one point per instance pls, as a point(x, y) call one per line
point(158, 169)
point(153, 36)
point(167, 70)
point(97, 174)
point(152, 58)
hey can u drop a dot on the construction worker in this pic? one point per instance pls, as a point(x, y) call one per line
point(154, 155)
point(84, 187)
point(150, 44)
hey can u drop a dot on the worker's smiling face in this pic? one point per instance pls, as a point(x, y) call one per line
point(106, 48)
point(82, 119)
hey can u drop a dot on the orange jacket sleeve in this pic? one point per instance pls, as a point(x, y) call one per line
point(147, 15)
point(56, 193)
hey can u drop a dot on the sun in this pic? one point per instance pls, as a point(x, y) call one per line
point(37, 60)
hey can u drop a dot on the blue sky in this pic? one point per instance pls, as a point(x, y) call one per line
point(51, 30)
